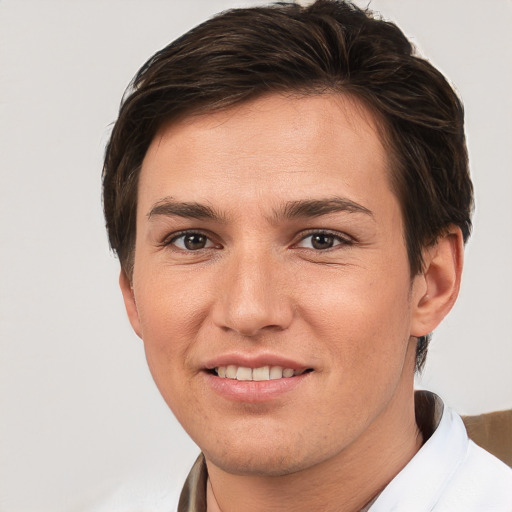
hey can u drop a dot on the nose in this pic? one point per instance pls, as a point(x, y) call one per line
point(254, 296)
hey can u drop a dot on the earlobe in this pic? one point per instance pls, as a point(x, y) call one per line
point(436, 289)
point(129, 302)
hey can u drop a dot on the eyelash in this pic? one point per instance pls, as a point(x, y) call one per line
point(170, 241)
point(344, 240)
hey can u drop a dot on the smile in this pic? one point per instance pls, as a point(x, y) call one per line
point(255, 381)
point(256, 374)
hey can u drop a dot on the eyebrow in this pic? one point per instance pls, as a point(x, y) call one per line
point(304, 208)
point(317, 207)
point(192, 210)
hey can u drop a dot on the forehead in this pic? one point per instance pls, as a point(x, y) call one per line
point(275, 146)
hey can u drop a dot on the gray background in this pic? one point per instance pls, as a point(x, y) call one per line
point(82, 426)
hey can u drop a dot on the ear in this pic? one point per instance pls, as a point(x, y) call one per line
point(436, 289)
point(129, 302)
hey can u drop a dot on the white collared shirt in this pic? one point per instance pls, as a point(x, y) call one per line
point(449, 473)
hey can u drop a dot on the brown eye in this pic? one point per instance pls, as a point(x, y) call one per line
point(192, 242)
point(322, 241)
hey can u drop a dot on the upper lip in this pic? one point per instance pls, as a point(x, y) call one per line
point(254, 361)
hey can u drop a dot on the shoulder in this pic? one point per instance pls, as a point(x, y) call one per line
point(449, 473)
point(477, 481)
point(481, 482)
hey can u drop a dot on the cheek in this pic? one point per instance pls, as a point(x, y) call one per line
point(170, 315)
point(170, 304)
point(362, 317)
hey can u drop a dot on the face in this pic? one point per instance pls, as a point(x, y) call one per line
point(271, 283)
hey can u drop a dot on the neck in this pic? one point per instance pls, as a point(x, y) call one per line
point(344, 483)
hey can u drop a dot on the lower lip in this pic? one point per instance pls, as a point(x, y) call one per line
point(254, 391)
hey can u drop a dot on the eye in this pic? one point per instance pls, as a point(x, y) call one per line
point(321, 241)
point(191, 241)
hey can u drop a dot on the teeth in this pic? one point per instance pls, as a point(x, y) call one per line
point(276, 372)
point(262, 373)
point(231, 371)
point(256, 374)
point(244, 373)
point(288, 372)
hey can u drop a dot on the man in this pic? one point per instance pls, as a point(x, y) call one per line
point(287, 190)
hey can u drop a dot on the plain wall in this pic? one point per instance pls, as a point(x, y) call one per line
point(82, 426)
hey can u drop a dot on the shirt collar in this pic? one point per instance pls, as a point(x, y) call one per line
point(193, 494)
point(421, 483)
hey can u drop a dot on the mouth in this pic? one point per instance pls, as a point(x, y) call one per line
point(262, 373)
point(257, 379)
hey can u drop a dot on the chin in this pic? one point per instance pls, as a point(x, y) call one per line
point(261, 464)
point(272, 455)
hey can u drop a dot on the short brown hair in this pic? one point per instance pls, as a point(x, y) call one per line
point(328, 46)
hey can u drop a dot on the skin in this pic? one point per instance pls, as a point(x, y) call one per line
point(261, 288)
